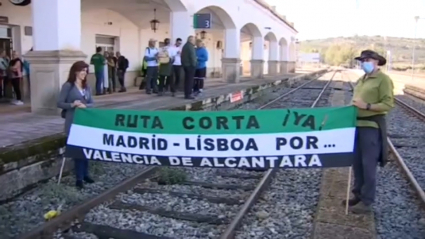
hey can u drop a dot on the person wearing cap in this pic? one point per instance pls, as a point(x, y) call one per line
point(373, 96)
point(151, 58)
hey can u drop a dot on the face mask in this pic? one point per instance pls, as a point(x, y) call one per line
point(367, 67)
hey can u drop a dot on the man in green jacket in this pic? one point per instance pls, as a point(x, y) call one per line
point(98, 60)
point(189, 62)
point(374, 98)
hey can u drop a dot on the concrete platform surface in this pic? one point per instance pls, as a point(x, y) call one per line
point(20, 125)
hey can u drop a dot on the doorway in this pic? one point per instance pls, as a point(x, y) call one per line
point(5, 44)
point(107, 43)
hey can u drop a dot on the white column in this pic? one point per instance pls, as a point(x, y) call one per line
point(231, 59)
point(232, 43)
point(56, 25)
point(57, 44)
point(181, 26)
point(257, 59)
point(273, 51)
point(283, 59)
point(257, 48)
point(273, 58)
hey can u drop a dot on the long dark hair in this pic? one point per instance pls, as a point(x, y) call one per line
point(75, 68)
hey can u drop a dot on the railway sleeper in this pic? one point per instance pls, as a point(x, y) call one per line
point(108, 232)
point(400, 136)
point(219, 186)
point(210, 219)
point(212, 199)
point(242, 176)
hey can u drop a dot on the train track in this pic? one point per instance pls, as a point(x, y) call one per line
point(70, 219)
point(397, 156)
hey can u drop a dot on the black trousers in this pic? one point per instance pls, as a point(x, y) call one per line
point(175, 79)
point(121, 75)
point(151, 79)
point(113, 80)
point(163, 82)
point(1, 86)
point(200, 75)
point(189, 74)
point(16, 84)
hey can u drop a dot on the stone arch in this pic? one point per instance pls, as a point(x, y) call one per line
point(251, 29)
point(283, 44)
point(271, 37)
point(176, 5)
point(224, 16)
point(272, 58)
point(252, 55)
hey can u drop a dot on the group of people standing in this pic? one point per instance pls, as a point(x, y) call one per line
point(12, 72)
point(107, 68)
point(164, 66)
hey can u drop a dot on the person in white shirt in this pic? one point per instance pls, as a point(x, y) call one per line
point(177, 66)
point(151, 58)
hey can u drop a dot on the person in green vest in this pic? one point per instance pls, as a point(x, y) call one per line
point(98, 60)
point(143, 73)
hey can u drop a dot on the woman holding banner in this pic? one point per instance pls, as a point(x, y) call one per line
point(75, 93)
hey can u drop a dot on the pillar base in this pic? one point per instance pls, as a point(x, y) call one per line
point(257, 68)
point(283, 67)
point(291, 66)
point(49, 70)
point(231, 69)
point(273, 68)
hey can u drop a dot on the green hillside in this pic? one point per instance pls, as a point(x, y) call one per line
point(339, 50)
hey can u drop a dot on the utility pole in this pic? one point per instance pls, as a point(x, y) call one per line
point(357, 25)
point(414, 47)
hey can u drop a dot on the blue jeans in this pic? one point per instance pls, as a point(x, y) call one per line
point(81, 167)
point(99, 82)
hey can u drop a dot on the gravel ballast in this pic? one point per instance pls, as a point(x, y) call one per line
point(287, 208)
point(27, 211)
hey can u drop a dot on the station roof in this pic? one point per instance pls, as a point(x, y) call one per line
point(272, 9)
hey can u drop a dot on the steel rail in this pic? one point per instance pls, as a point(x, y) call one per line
point(65, 221)
point(230, 231)
point(417, 188)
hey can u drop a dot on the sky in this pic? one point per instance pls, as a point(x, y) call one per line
point(316, 19)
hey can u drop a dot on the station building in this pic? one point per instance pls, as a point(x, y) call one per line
point(244, 37)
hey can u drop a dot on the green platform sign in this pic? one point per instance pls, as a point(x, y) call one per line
point(202, 21)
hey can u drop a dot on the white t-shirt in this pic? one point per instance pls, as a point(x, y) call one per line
point(176, 52)
point(151, 52)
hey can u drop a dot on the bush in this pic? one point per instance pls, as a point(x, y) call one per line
point(168, 176)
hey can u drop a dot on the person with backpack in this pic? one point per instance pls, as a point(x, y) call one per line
point(15, 70)
point(151, 58)
point(166, 59)
point(122, 65)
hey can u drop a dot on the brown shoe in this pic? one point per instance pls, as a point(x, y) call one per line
point(351, 202)
point(361, 208)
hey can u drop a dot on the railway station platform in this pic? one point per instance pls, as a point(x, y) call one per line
point(31, 144)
